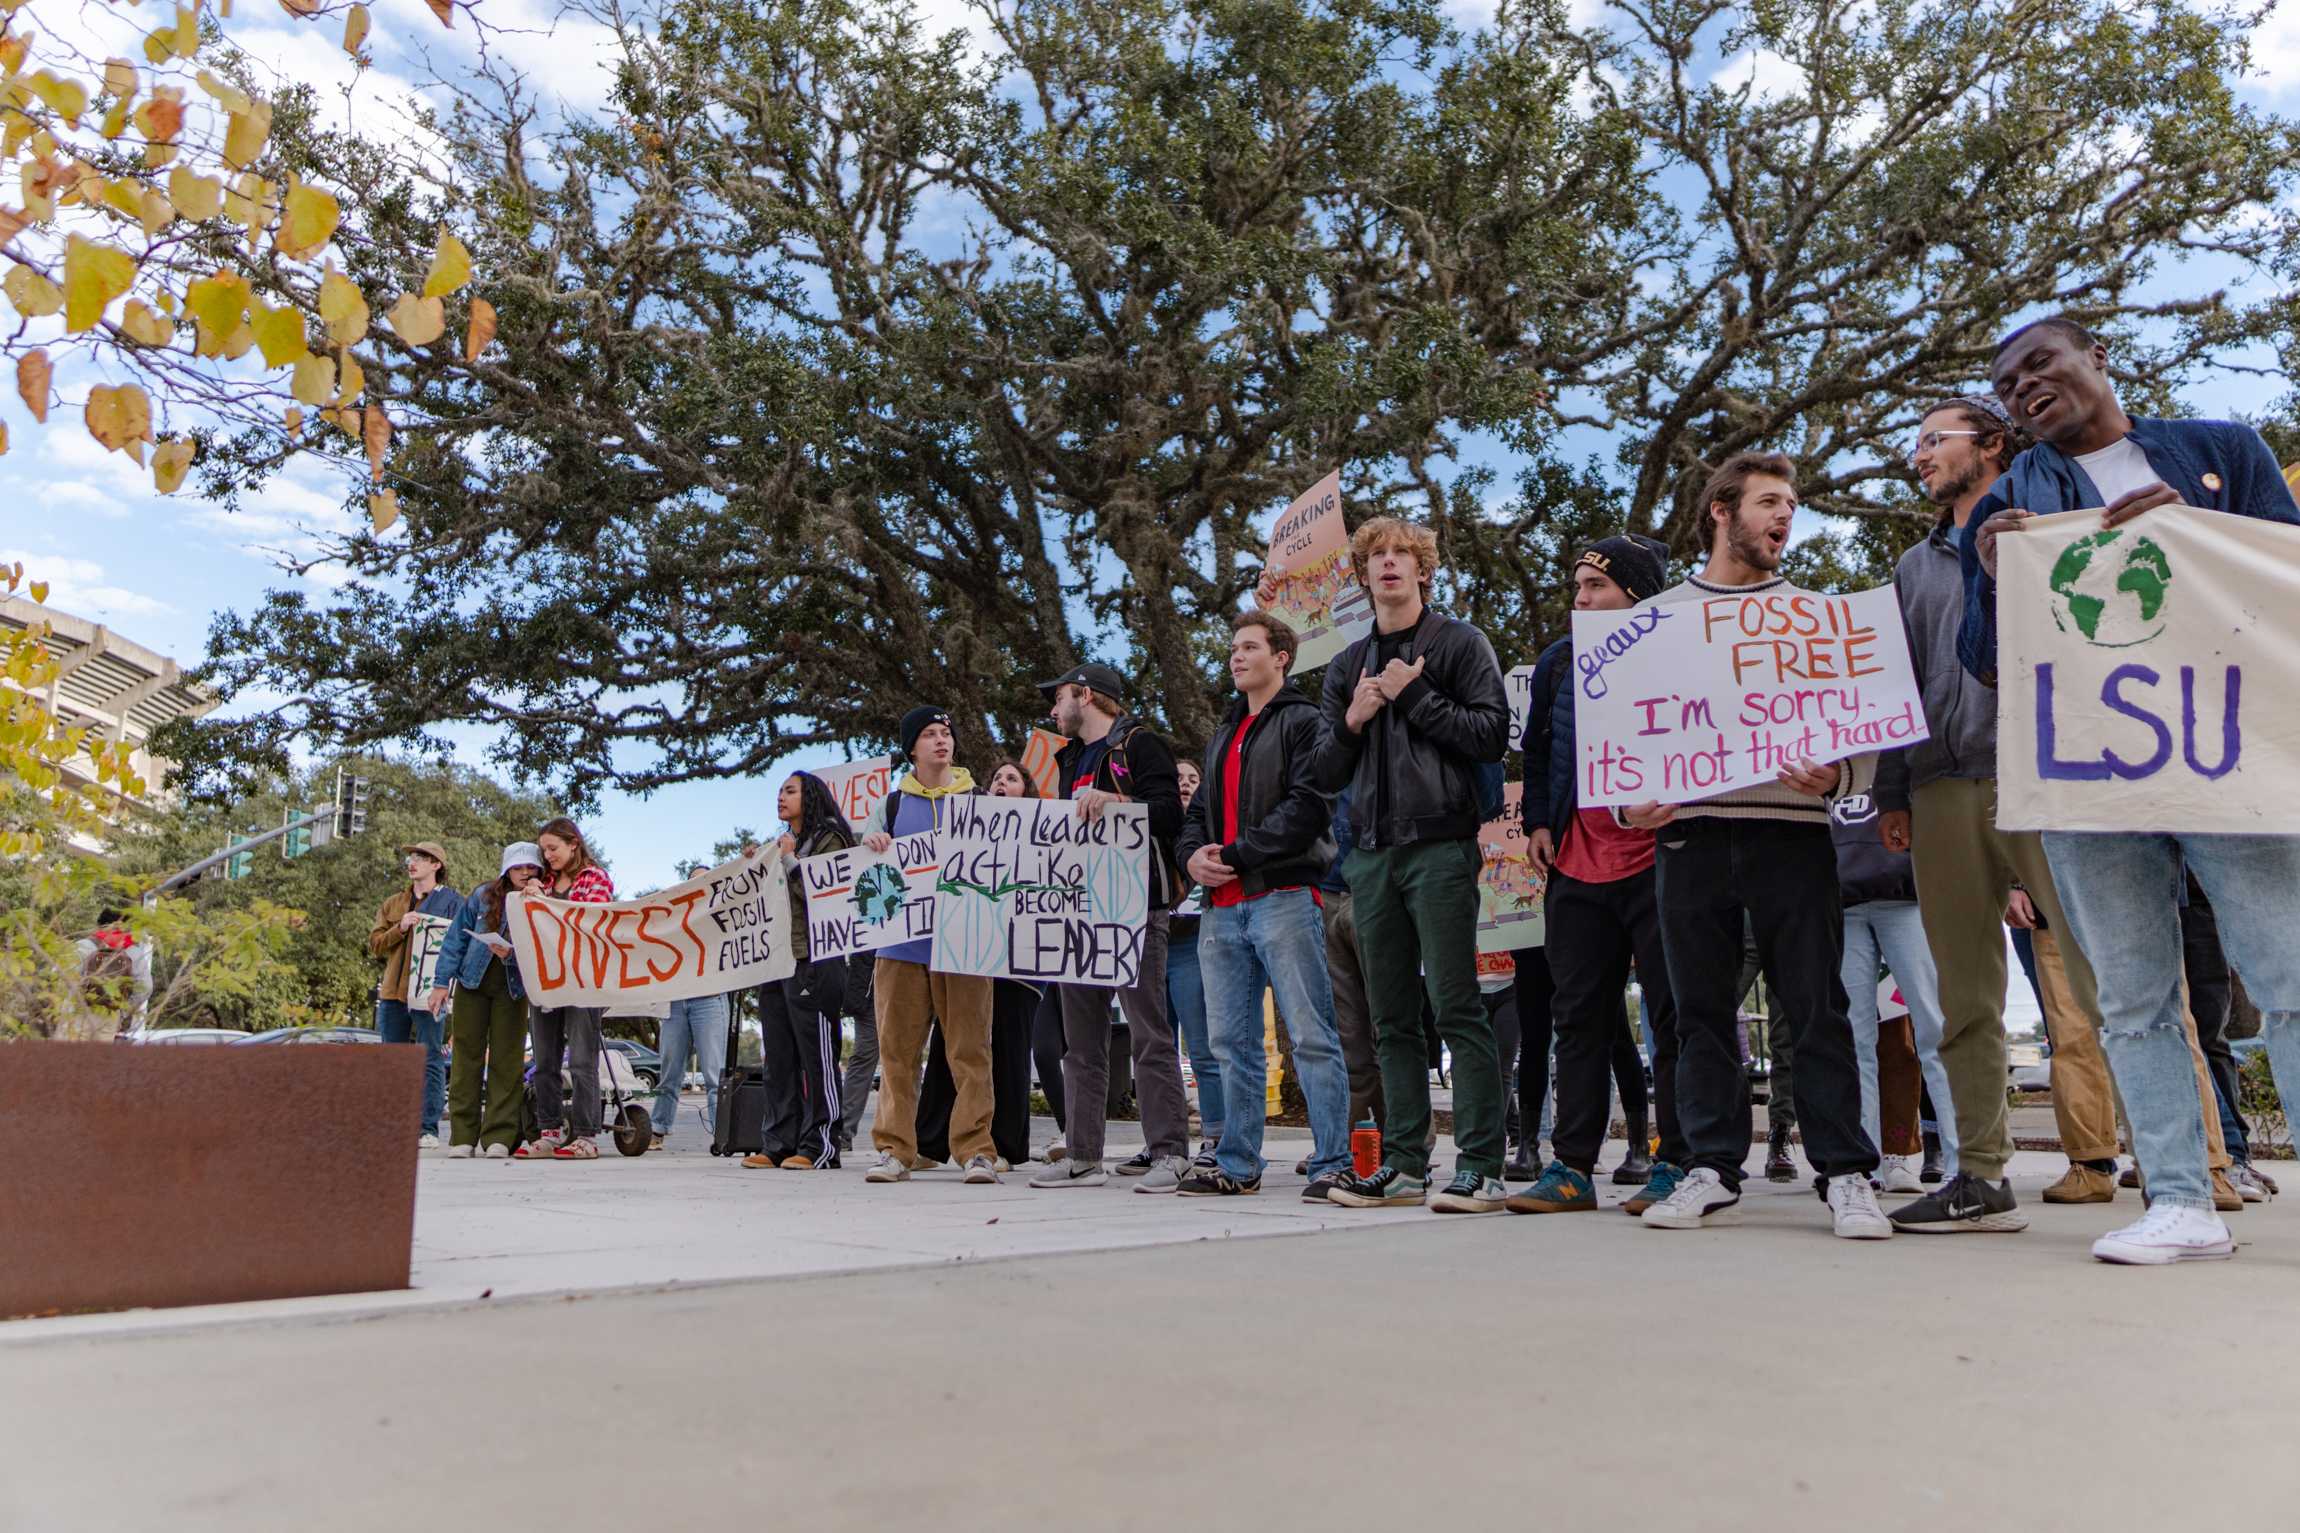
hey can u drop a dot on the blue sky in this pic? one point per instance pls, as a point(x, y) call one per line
point(157, 569)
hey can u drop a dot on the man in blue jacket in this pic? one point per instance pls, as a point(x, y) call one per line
point(2120, 890)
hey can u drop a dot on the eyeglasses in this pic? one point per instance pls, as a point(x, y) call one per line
point(1932, 439)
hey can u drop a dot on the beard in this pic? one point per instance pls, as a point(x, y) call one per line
point(1946, 488)
point(1751, 547)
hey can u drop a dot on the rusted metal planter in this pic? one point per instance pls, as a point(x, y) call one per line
point(150, 1177)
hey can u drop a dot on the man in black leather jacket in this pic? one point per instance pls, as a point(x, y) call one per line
point(1257, 839)
point(1412, 711)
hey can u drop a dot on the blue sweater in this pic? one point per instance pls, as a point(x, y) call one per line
point(2045, 480)
point(463, 958)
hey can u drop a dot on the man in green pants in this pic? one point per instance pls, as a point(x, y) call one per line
point(1411, 712)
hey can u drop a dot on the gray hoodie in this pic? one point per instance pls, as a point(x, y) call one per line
point(1960, 712)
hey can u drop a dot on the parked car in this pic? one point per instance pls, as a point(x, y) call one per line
point(645, 1062)
point(315, 1035)
point(183, 1035)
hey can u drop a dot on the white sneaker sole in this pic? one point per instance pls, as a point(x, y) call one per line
point(1447, 1203)
point(1864, 1229)
point(1090, 1179)
point(980, 1178)
point(2117, 1254)
point(1986, 1224)
point(1729, 1213)
point(886, 1176)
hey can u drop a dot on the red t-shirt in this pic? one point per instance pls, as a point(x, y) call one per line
point(1226, 826)
point(1599, 851)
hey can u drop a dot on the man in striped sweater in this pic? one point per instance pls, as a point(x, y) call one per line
point(1766, 852)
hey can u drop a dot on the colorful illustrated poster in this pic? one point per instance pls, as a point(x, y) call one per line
point(1509, 912)
point(859, 901)
point(1309, 581)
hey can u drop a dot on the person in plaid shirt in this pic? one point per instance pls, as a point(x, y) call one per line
point(569, 874)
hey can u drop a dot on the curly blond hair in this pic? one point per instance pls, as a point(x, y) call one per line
point(1384, 532)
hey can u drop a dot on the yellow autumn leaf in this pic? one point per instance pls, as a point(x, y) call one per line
point(3, 439)
point(419, 321)
point(299, 7)
point(32, 376)
point(187, 31)
point(450, 267)
point(115, 120)
point(161, 119)
point(154, 212)
point(480, 332)
point(67, 98)
point(355, 29)
point(226, 95)
point(119, 415)
point(249, 202)
point(120, 78)
point(375, 435)
point(218, 303)
point(314, 378)
point(123, 197)
point(244, 138)
point(39, 590)
point(170, 463)
point(196, 197)
point(342, 309)
point(146, 327)
point(293, 420)
point(94, 275)
point(280, 333)
point(240, 342)
point(383, 510)
point(32, 295)
point(353, 384)
point(307, 222)
point(444, 10)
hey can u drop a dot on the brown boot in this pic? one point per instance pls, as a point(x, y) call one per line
point(2082, 1184)
point(2225, 1197)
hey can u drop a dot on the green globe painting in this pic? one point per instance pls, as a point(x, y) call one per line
point(879, 894)
point(2111, 588)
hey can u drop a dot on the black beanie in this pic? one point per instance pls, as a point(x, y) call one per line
point(1636, 564)
point(914, 724)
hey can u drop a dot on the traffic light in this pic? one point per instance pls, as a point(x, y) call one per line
point(298, 839)
point(240, 864)
point(350, 803)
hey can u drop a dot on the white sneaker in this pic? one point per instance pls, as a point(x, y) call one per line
point(1701, 1199)
point(2250, 1184)
point(1898, 1173)
point(427, 1142)
point(498, 1152)
point(887, 1168)
point(2167, 1234)
point(981, 1170)
point(1070, 1173)
point(1853, 1206)
point(462, 1151)
point(1164, 1175)
point(1001, 1165)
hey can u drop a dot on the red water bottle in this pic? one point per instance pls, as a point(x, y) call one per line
point(1365, 1148)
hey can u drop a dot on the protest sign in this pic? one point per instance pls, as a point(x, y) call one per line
point(1518, 682)
point(1684, 702)
point(1309, 581)
point(861, 788)
point(424, 940)
point(2139, 670)
point(727, 929)
point(1509, 910)
point(859, 900)
point(1029, 890)
point(1038, 753)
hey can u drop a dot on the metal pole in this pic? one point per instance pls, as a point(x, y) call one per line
point(175, 880)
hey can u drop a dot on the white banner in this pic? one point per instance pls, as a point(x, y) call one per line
point(2143, 674)
point(1310, 582)
point(1517, 681)
point(424, 940)
point(727, 929)
point(859, 900)
point(1028, 890)
point(1684, 702)
point(861, 788)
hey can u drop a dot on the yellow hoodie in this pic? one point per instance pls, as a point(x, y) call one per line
point(961, 781)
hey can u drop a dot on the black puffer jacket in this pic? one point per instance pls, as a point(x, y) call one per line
point(1285, 838)
point(1427, 744)
point(1865, 870)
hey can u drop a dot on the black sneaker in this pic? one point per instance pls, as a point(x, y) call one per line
point(1388, 1187)
point(1470, 1193)
point(1322, 1188)
point(1211, 1182)
point(1964, 1205)
point(1138, 1166)
point(1206, 1149)
point(1780, 1166)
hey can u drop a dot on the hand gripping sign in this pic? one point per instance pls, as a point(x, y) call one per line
point(727, 929)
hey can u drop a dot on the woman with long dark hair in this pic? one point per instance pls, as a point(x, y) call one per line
point(566, 1130)
point(798, 1016)
point(489, 1020)
point(1014, 1009)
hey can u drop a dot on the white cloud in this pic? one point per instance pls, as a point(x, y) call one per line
point(71, 496)
point(78, 586)
point(2275, 45)
point(1768, 75)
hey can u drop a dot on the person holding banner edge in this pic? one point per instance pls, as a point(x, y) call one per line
point(1763, 853)
point(489, 1016)
point(2120, 889)
point(909, 994)
point(798, 1016)
point(1601, 916)
point(1113, 757)
point(1256, 839)
point(1411, 711)
point(566, 1032)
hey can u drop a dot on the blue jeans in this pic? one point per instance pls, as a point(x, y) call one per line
point(699, 1025)
point(2121, 894)
point(1278, 942)
point(400, 1023)
point(1186, 1000)
point(1890, 934)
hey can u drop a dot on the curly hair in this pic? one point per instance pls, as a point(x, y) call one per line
point(1381, 532)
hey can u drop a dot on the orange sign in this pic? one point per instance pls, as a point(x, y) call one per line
point(1038, 755)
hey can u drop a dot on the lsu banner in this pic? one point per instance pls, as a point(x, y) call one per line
point(1509, 908)
point(2144, 674)
point(1309, 581)
point(859, 900)
point(728, 929)
point(1684, 702)
point(1028, 890)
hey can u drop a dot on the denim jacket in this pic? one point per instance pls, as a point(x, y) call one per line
point(2216, 465)
point(464, 958)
